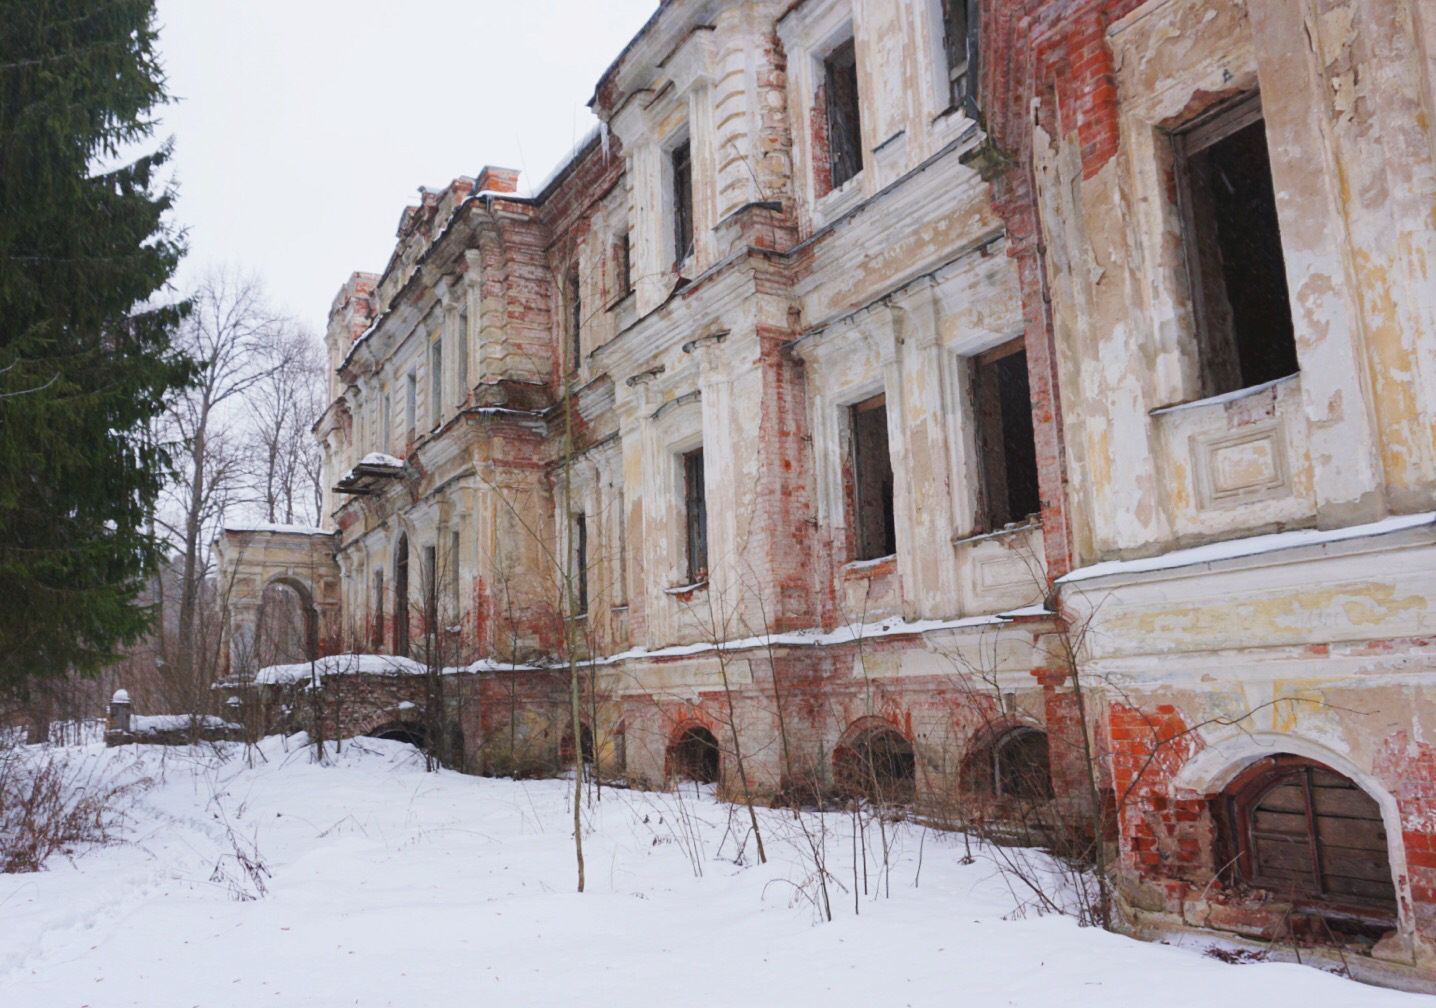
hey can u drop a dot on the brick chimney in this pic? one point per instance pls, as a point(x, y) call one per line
point(492, 179)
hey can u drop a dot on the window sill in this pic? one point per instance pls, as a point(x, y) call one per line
point(1013, 529)
point(1226, 397)
point(862, 570)
point(684, 593)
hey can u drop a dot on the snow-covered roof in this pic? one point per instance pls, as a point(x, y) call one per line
point(275, 527)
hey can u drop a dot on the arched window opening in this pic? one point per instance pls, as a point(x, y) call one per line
point(401, 596)
point(1313, 837)
point(694, 756)
point(878, 765)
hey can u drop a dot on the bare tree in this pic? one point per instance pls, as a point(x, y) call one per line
point(240, 343)
point(284, 460)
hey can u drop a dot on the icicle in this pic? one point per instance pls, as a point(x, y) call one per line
point(603, 138)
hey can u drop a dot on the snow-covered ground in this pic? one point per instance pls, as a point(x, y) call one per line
point(373, 883)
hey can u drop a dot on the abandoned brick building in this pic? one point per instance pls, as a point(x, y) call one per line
point(881, 371)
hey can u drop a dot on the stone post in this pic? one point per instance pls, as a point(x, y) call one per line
point(120, 711)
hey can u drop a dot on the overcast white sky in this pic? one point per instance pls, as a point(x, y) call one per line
point(304, 127)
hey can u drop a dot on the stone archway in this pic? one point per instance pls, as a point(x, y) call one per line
point(251, 559)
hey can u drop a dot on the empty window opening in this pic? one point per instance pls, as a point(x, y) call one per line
point(452, 574)
point(623, 262)
point(840, 88)
point(1007, 451)
point(574, 302)
point(401, 596)
point(872, 480)
point(431, 588)
point(565, 749)
point(681, 162)
point(376, 638)
point(1234, 259)
point(400, 731)
point(580, 564)
point(959, 44)
point(1016, 766)
point(411, 402)
point(694, 756)
point(462, 356)
point(1313, 837)
point(695, 516)
point(877, 765)
point(436, 382)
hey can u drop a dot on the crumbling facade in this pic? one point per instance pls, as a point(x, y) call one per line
point(940, 394)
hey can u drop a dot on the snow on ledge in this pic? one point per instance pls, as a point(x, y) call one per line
point(1250, 546)
point(275, 527)
point(380, 459)
point(153, 724)
point(366, 664)
point(816, 638)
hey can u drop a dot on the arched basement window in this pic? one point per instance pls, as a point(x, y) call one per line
point(694, 756)
point(1311, 836)
point(1020, 767)
point(878, 764)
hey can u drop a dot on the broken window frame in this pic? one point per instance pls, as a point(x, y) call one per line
point(1219, 344)
point(842, 113)
point(1003, 452)
point(680, 161)
point(695, 516)
point(871, 493)
point(959, 24)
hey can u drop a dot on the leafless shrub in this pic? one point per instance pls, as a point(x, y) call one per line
point(54, 801)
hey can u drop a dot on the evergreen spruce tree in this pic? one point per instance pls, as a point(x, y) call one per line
point(85, 357)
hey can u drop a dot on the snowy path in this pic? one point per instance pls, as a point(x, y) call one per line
point(394, 887)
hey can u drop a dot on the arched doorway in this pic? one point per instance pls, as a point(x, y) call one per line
point(1311, 836)
point(565, 748)
point(694, 756)
point(401, 596)
point(288, 623)
point(876, 762)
